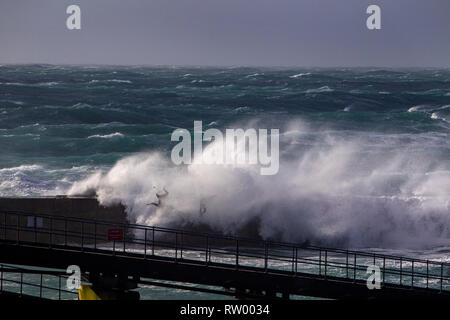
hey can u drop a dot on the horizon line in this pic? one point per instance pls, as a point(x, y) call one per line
point(220, 66)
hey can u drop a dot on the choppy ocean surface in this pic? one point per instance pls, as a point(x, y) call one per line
point(364, 153)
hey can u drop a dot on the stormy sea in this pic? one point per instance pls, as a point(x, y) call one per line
point(364, 152)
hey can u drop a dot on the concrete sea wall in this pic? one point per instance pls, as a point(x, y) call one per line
point(88, 208)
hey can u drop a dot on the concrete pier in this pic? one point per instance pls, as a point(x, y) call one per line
point(64, 206)
point(37, 228)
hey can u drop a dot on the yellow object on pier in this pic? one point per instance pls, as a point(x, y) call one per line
point(86, 293)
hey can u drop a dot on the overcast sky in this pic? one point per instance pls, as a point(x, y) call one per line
point(227, 32)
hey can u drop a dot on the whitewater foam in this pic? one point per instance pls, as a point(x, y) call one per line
point(21, 168)
point(330, 193)
point(299, 75)
point(253, 75)
point(320, 90)
point(111, 80)
point(437, 116)
point(107, 136)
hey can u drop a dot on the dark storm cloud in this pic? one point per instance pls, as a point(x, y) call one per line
point(227, 32)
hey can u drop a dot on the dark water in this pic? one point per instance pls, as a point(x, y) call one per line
point(376, 140)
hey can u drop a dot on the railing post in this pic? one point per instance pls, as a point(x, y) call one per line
point(4, 225)
point(427, 273)
point(346, 262)
point(40, 288)
point(237, 253)
point(442, 274)
point(65, 232)
point(95, 234)
point(320, 262)
point(124, 239)
point(384, 268)
point(354, 268)
point(82, 236)
point(401, 269)
point(266, 255)
point(21, 283)
point(412, 274)
point(145, 244)
point(207, 249)
point(296, 260)
point(59, 287)
point(176, 246)
point(51, 231)
point(35, 231)
point(326, 254)
point(153, 241)
point(181, 246)
point(293, 259)
point(18, 228)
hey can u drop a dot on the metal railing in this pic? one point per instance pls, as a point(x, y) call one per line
point(34, 283)
point(225, 251)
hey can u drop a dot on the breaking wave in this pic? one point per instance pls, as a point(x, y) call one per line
point(339, 193)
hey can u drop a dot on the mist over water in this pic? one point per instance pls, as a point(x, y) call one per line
point(364, 153)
